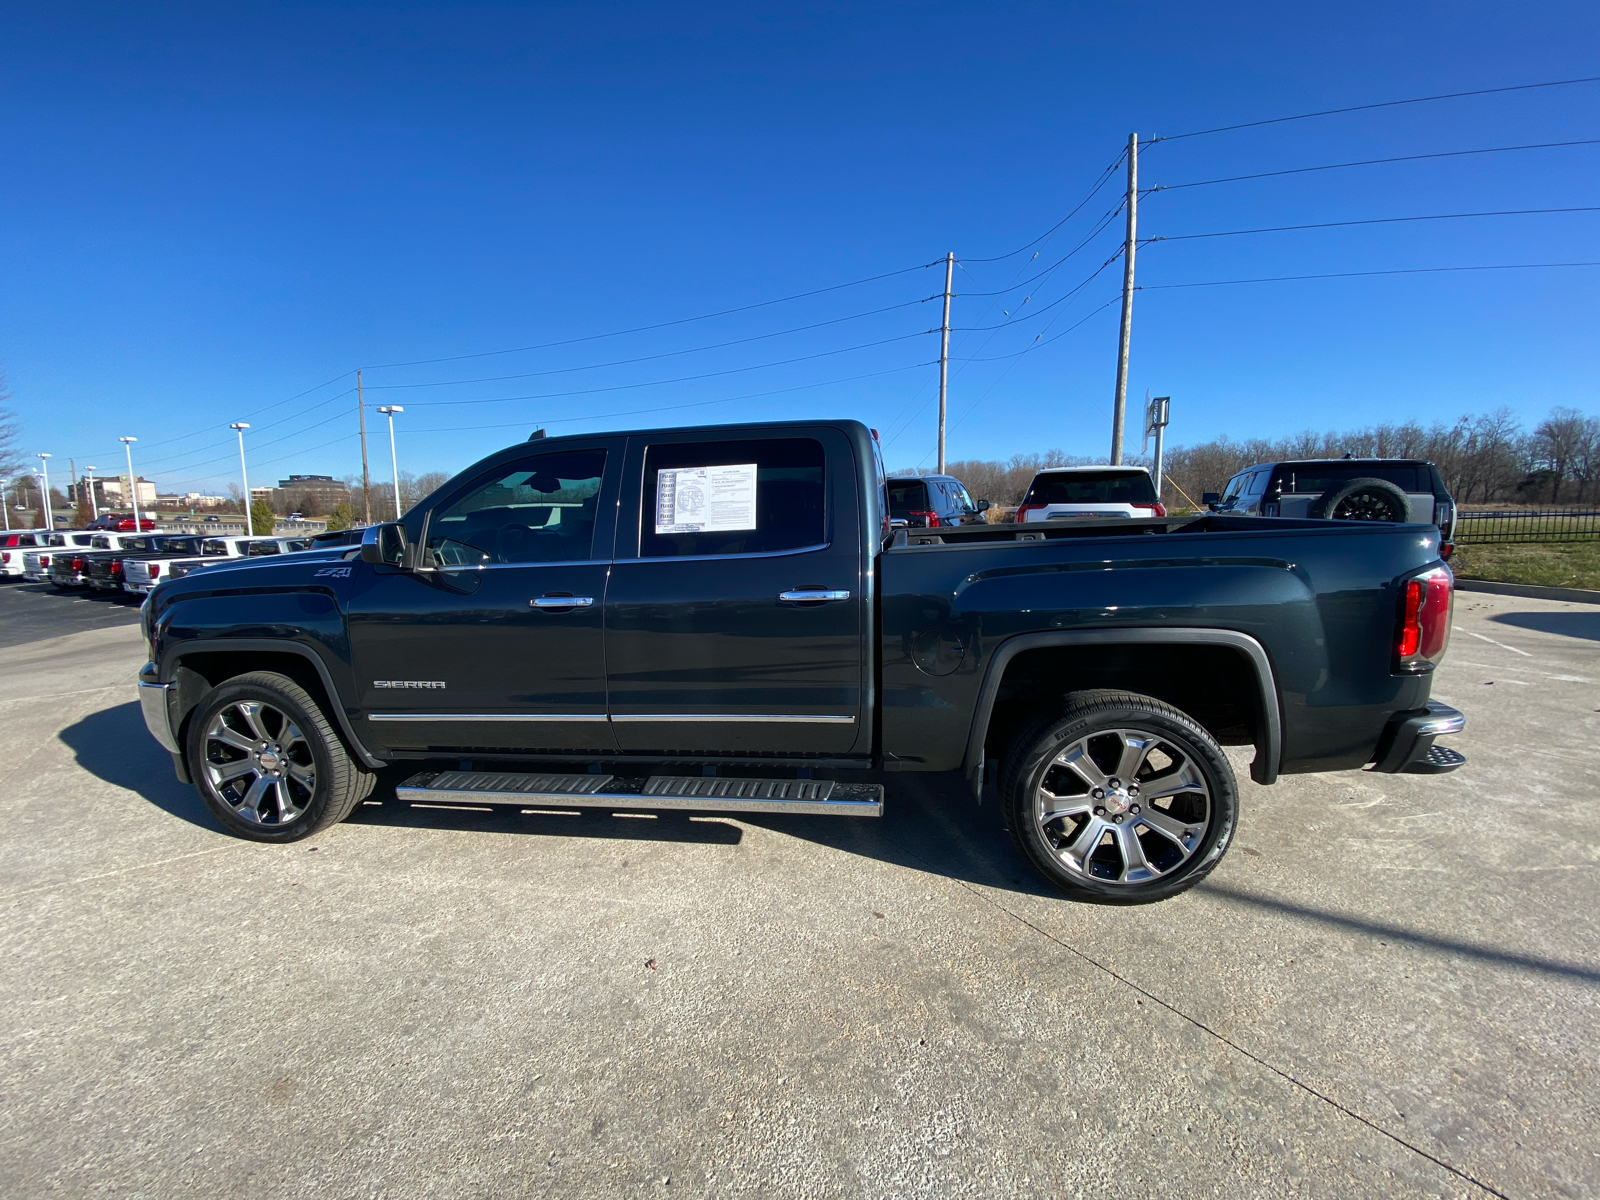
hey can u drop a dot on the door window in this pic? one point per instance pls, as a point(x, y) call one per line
point(735, 497)
point(539, 511)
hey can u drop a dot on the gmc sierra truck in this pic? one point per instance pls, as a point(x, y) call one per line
point(724, 619)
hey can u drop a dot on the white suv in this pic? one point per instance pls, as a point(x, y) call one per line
point(1090, 492)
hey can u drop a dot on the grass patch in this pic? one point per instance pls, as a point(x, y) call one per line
point(1559, 564)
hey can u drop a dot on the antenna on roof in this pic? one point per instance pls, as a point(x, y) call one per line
point(536, 435)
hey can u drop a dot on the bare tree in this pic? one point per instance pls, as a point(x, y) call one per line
point(11, 453)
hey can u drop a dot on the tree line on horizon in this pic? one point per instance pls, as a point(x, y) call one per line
point(1485, 459)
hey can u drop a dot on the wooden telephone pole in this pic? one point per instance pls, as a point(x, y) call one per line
point(366, 477)
point(944, 351)
point(1120, 405)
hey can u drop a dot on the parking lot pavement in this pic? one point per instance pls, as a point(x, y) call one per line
point(32, 612)
point(1388, 988)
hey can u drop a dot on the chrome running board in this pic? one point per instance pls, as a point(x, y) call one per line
point(694, 793)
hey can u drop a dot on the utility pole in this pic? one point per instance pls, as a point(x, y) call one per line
point(944, 351)
point(366, 478)
point(94, 504)
point(73, 494)
point(249, 517)
point(44, 495)
point(133, 480)
point(1157, 412)
point(1120, 406)
point(389, 411)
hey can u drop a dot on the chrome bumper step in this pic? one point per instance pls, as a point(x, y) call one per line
point(693, 793)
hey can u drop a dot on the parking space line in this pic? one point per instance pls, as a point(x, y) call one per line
point(1492, 642)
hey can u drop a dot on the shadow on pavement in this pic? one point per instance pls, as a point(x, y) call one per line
point(114, 745)
point(1567, 624)
point(1488, 954)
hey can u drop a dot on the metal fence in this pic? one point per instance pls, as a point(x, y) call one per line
point(1527, 526)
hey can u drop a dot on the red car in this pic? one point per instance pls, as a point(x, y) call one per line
point(121, 523)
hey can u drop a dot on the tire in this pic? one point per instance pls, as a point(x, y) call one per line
point(1362, 500)
point(1178, 818)
point(317, 783)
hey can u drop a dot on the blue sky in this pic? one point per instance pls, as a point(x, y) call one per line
point(209, 211)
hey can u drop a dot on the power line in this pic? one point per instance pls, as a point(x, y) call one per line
point(1105, 221)
point(1172, 187)
point(1332, 112)
point(1039, 312)
point(1093, 191)
point(1039, 344)
point(623, 387)
point(421, 362)
point(674, 407)
point(1515, 212)
point(622, 362)
point(1358, 274)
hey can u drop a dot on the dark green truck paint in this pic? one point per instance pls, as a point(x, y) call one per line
point(1273, 632)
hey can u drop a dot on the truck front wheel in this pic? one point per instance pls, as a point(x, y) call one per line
point(267, 762)
point(1120, 799)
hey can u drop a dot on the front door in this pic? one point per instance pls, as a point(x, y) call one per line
point(498, 643)
point(735, 612)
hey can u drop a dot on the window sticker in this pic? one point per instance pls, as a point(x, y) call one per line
point(706, 499)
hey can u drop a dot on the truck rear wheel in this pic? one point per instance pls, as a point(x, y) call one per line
point(1120, 799)
point(268, 763)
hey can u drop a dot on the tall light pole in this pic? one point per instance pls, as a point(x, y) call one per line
point(389, 411)
point(44, 499)
point(133, 480)
point(94, 504)
point(249, 519)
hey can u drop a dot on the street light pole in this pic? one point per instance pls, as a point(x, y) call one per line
point(94, 504)
point(389, 411)
point(249, 518)
point(133, 480)
point(44, 499)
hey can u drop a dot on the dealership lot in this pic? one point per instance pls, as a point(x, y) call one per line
point(1389, 986)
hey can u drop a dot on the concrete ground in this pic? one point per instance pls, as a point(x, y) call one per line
point(1388, 988)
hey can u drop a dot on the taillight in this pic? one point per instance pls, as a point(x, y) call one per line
point(116, 566)
point(929, 519)
point(77, 564)
point(5, 557)
point(1156, 510)
point(1424, 632)
point(155, 569)
point(1024, 510)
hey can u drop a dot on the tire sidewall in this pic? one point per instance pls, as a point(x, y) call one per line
point(1325, 504)
point(231, 693)
point(1037, 758)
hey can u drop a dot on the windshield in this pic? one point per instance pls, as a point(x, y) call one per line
point(1088, 487)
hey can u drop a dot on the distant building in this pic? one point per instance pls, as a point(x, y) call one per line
point(113, 492)
point(309, 494)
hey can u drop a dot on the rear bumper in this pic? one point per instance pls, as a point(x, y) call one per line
point(1407, 748)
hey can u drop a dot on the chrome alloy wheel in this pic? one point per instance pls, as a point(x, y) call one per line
point(259, 763)
point(1123, 806)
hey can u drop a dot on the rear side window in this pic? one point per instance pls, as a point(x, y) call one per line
point(1088, 488)
point(736, 497)
point(907, 496)
point(214, 546)
point(1314, 479)
point(539, 511)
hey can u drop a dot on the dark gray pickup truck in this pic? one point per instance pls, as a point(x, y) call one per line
point(723, 619)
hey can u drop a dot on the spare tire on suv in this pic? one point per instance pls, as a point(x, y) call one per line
point(1362, 500)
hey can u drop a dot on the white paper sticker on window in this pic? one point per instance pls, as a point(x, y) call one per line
point(706, 499)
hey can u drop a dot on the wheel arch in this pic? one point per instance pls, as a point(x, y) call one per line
point(197, 668)
point(1012, 654)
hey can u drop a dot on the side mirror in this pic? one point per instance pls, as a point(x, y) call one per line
point(1209, 499)
point(384, 545)
point(983, 506)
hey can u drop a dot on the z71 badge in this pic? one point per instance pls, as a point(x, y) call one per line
point(334, 572)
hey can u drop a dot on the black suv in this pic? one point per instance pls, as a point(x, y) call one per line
point(932, 501)
point(1343, 489)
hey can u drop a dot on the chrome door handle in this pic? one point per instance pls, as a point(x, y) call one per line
point(562, 601)
point(812, 594)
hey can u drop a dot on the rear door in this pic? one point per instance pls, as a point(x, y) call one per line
point(498, 645)
point(734, 621)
